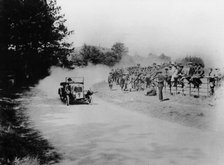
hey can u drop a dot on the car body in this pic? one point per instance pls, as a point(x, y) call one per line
point(72, 91)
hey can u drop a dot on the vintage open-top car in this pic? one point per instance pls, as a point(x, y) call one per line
point(72, 91)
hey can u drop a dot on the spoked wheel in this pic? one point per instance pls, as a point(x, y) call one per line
point(60, 94)
point(62, 98)
point(67, 100)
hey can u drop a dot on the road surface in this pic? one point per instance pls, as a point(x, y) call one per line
point(106, 134)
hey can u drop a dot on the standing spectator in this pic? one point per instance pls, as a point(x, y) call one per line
point(189, 72)
point(160, 81)
point(148, 81)
point(122, 82)
point(110, 81)
point(174, 76)
point(126, 81)
point(129, 84)
point(211, 79)
point(168, 77)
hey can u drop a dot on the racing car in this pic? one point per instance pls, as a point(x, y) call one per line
point(72, 91)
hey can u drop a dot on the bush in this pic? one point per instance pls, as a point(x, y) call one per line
point(26, 161)
point(195, 60)
point(99, 55)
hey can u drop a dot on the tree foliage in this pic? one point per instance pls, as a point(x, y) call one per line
point(164, 57)
point(119, 50)
point(193, 59)
point(98, 55)
point(34, 37)
point(91, 54)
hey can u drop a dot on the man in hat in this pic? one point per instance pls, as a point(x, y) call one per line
point(110, 81)
point(211, 79)
point(148, 81)
point(174, 75)
point(160, 84)
point(192, 69)
point(198, 74)
point(167, 77)
point(190, 72)
point(180, 74)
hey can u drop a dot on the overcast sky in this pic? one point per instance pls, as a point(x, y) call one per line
point(173, 27)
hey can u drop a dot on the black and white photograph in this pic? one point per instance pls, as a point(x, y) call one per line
point(111, 82)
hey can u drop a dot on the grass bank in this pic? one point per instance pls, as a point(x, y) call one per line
point(19, 143)
point(185, 110)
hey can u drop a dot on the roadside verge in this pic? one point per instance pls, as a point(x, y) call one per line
point(185, 110)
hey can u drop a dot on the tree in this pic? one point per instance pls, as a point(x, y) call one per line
point(110, 59)
point(193, 59)
point(91, 54)
point(120, 50)
point(99, 55)
point(164, 57)
point(35, 37)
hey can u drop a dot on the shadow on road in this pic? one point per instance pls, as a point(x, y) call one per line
point(17, 139)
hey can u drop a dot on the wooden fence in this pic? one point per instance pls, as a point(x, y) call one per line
point(188, 89)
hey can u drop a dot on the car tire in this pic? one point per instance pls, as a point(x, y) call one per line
point(59, 91)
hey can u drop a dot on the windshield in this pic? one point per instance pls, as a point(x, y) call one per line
point(77, 88)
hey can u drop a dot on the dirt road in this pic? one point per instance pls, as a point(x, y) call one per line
point(104, 133)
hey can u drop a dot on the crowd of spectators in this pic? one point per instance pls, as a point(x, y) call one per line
point(137, 78)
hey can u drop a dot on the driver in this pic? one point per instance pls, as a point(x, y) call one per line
point(70, 80)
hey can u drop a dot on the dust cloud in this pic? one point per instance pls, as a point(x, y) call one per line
point(137, 59)
point(92, 74)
